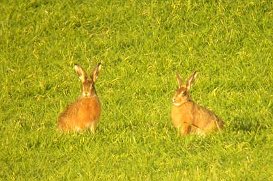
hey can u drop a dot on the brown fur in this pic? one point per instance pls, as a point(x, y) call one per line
point(82, 114)
point(190, 118)
point(85, 112)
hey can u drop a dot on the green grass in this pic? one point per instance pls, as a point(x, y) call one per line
point(141, 44)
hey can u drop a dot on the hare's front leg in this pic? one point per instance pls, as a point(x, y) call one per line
point(185, 129)
point(93, 127)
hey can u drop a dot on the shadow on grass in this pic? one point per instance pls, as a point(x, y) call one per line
point(248, 124)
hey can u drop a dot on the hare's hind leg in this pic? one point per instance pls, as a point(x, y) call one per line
point(200, 132)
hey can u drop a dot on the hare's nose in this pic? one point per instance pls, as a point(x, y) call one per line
point(173, 100)
point(85, 94)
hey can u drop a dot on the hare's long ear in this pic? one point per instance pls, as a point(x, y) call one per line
point(179, 80)
point(96, 71)
point(191, 80)
point(81, 73)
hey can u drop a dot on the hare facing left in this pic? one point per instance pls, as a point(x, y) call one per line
point(85, 112)
point(187, 116)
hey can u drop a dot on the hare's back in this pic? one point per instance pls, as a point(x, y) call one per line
point(204, 118)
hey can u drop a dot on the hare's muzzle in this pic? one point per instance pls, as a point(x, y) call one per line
point(85, 94)
point(174, 101)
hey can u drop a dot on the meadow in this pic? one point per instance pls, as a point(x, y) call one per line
point(141, 45)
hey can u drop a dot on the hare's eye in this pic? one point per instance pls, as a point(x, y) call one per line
point(183, 93)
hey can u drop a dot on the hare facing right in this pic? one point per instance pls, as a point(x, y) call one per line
point(189, 117)
point(85, 111)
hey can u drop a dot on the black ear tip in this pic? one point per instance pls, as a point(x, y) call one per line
point(178, 75)
point(99, 66)
point(195, 73)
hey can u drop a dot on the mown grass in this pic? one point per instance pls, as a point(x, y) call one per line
point(141, 46)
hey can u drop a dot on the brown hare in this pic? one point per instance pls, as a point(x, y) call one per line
point(85, 112)
point(189, 117)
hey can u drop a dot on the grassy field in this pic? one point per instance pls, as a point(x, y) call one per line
point(141, 44)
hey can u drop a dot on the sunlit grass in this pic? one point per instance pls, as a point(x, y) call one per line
point(141, 46)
